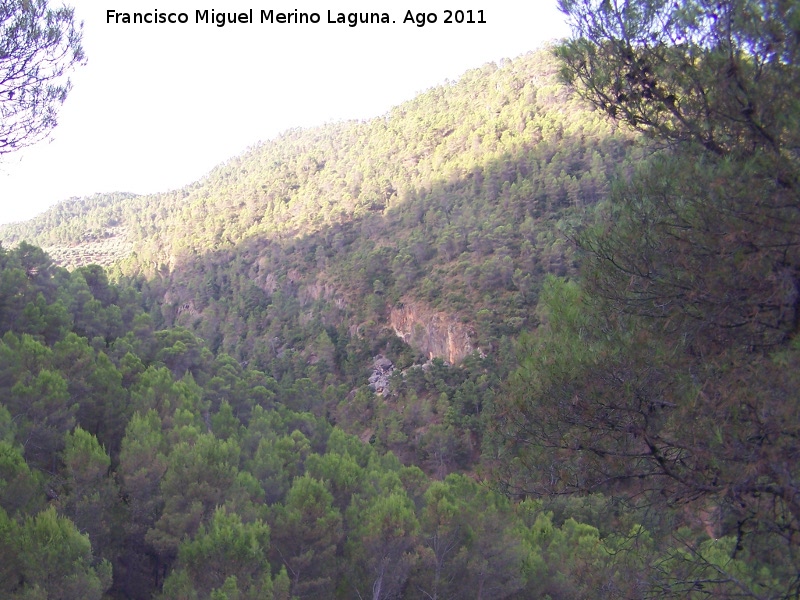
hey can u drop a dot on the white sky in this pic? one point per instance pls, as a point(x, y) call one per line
point(157, 106)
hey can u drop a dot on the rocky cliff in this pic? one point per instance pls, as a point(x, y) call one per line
point(436, 334)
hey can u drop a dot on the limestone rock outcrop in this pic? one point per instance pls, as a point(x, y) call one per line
point(436, 334)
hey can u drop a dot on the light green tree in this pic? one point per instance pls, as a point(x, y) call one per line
point(45, 556)
point(307, 531)
point(382, 547)
point(225, 559)
point(90, 496)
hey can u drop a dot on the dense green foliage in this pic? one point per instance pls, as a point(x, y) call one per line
point(669, 373)
point(136, 464)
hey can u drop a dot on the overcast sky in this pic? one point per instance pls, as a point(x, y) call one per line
point(157, 106)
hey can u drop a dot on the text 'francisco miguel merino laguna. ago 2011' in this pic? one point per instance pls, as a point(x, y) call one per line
point(351, 19)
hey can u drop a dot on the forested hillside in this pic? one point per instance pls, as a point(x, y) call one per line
point(454, 199)
point(135, 463)
point(312, 254)
point(531, 334)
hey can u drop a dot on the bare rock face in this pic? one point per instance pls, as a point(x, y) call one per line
point(436, 334)
point(382, 369)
